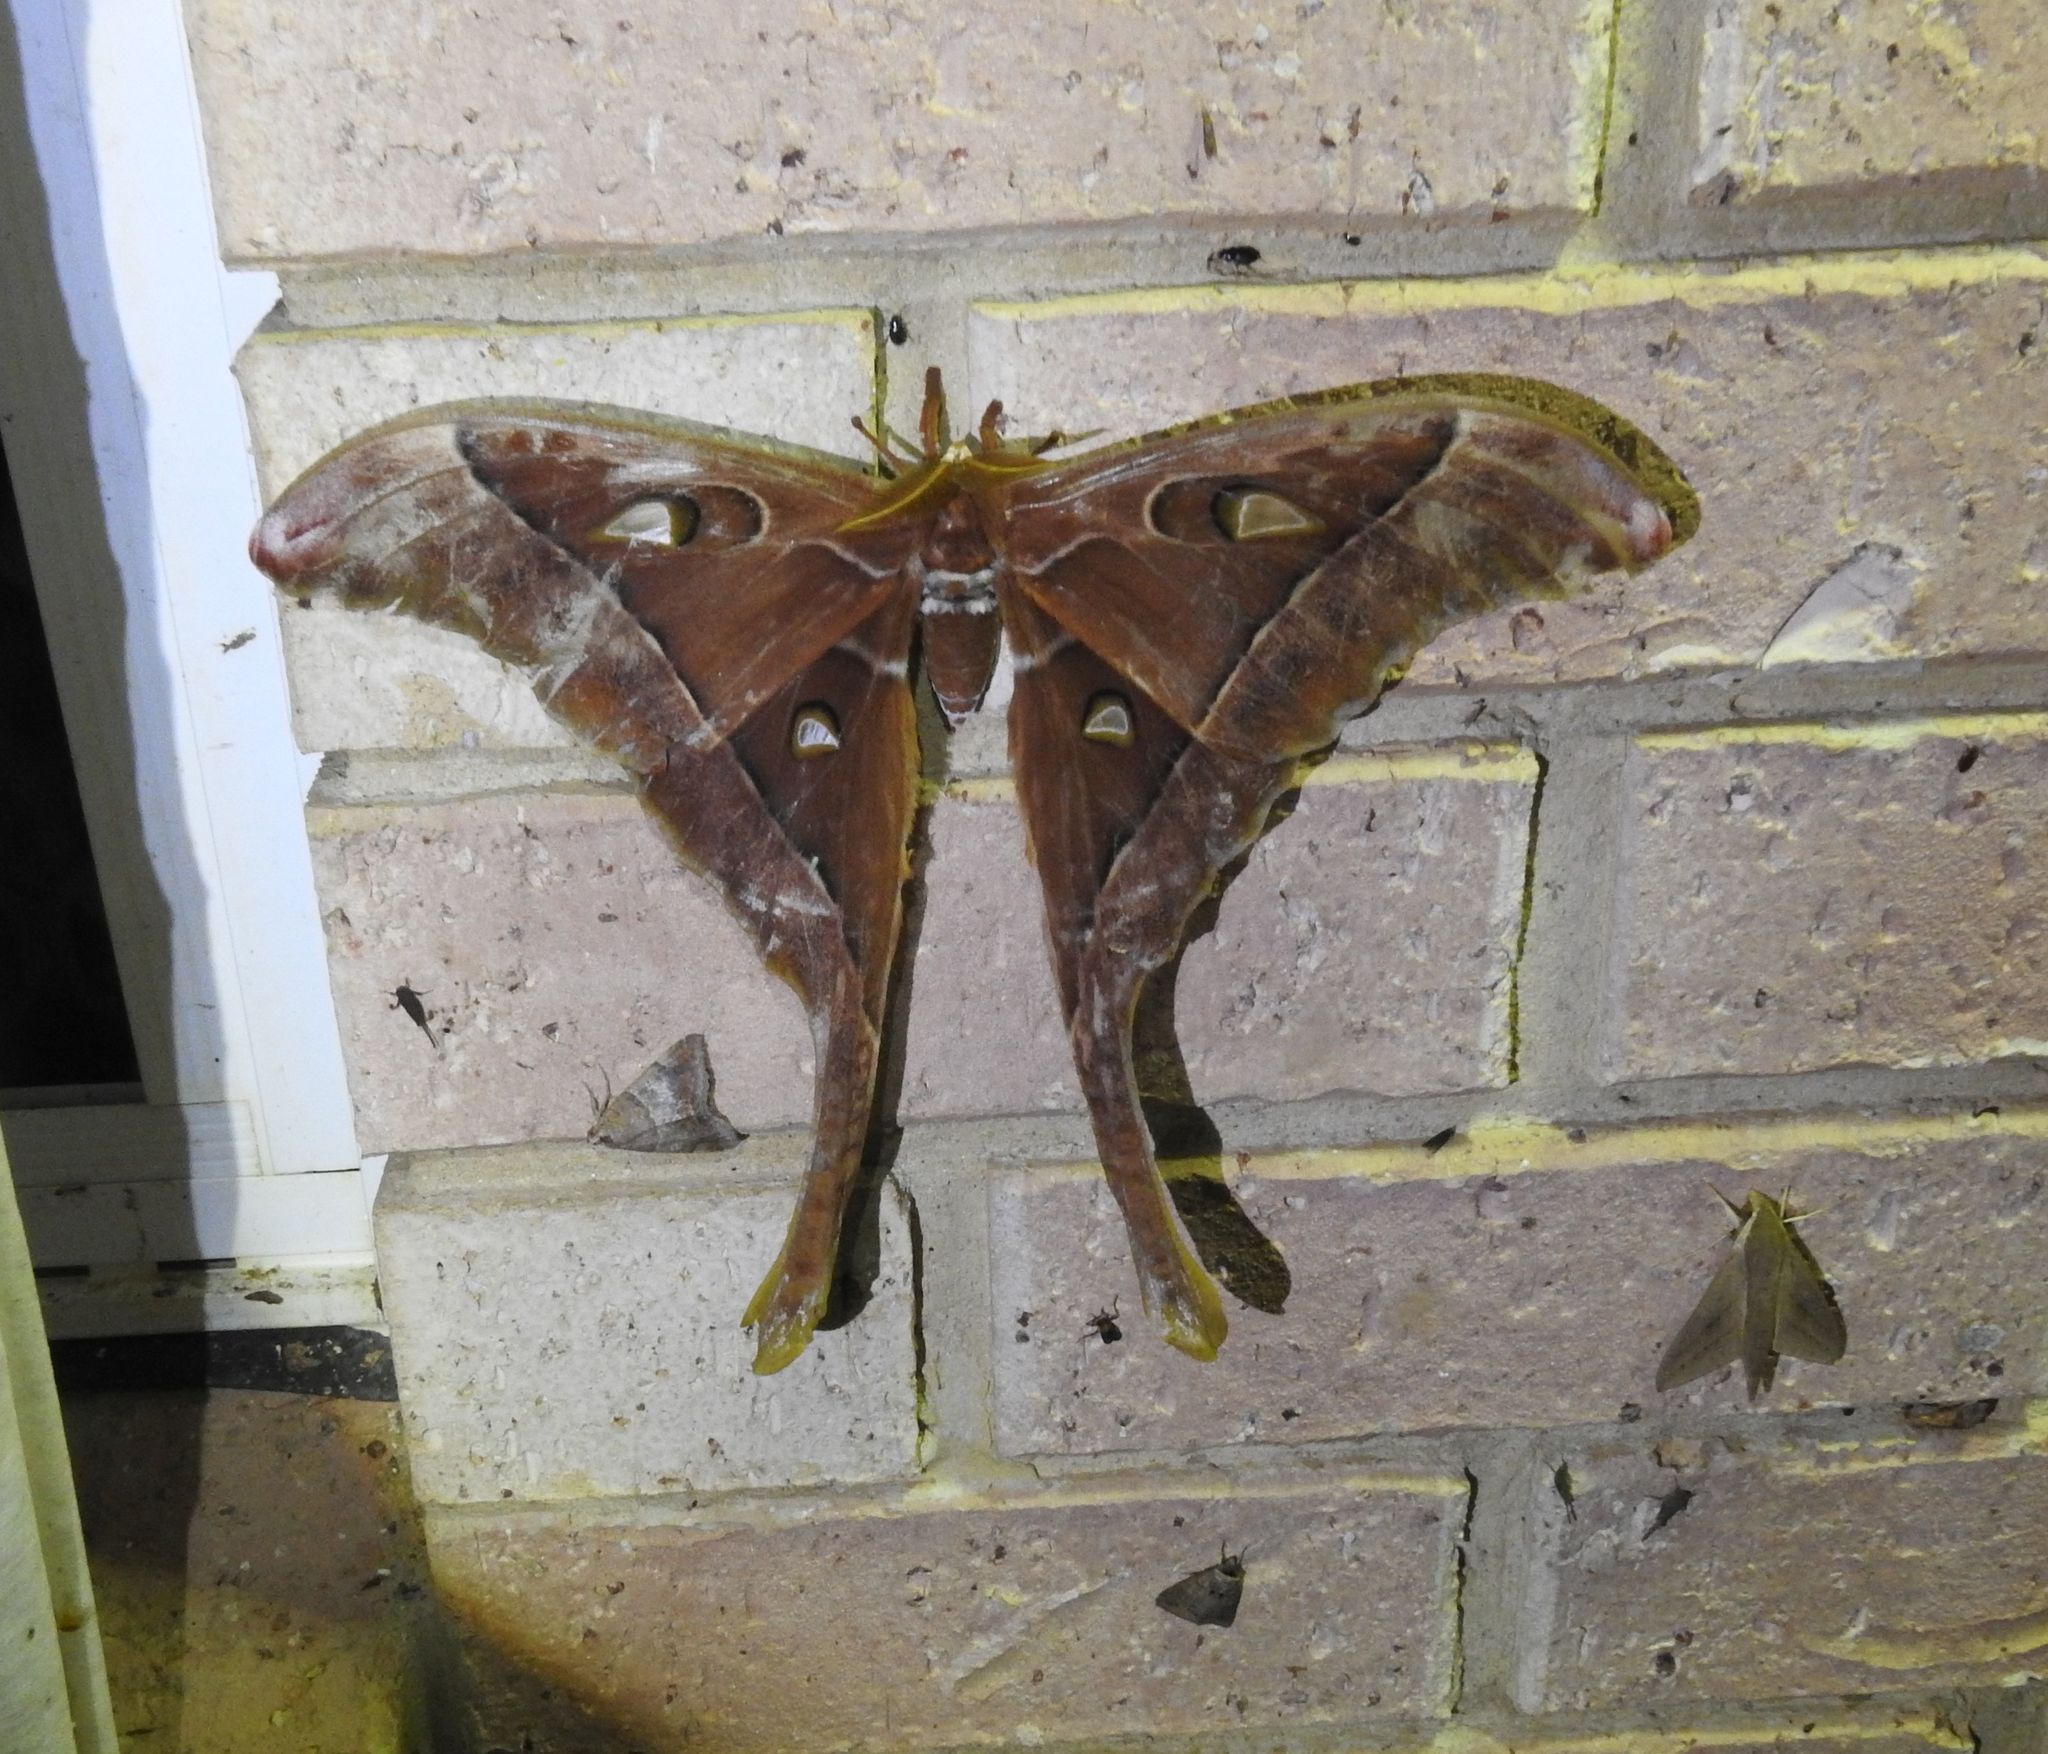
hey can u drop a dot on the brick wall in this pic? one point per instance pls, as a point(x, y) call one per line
point(1731, 874)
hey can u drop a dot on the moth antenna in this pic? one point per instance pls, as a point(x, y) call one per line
point(931, 422)
point(890, 461)
point(1792, 1217)
point(1054, 439)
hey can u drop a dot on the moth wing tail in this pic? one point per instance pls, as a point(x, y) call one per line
point(1712, 1335)
point(1185, 1300)
point(1177, 1290)
point(783, 1313)
point(785, 1310)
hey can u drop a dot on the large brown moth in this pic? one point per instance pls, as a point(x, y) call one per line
point(1768, 1300)
point(1189, 615)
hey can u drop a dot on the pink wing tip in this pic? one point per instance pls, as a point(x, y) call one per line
point(288, 542)
point(1648, 531)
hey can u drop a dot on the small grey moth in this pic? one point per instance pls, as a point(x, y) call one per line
point(1208, 1597)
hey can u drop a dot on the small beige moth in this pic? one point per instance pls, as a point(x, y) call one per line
point(1768, 1300)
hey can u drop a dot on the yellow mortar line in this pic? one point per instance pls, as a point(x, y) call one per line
point(1509, 1147)
point(340, 821)
point(846, 316)
point(1470, 761)
point(1892, 734)
point(1868, 1455)
point(1563, 291)
point(1459, 1739)
point(1010, 1486)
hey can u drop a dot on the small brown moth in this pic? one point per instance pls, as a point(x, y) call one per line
point(1189, 615)
point(668, 1108)
point(1208, 1597)
point(1769, 1300)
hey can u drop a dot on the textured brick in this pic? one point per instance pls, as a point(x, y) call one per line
point(1719, 1570)
point(559, 947)
point(568, 1323)
point(1799, 96)
point(1368, 945)
point(530, 126)
point(381, 681)
point(1806, 896)
point(998, 1622)
point(1845, 424)
point(1523, 1277)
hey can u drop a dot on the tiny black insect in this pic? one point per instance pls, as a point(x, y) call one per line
point(1234, 259)
point(1103, 1325)
point(899, 331)
point(404, 998)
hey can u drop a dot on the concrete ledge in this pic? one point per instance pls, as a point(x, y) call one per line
point(567, 1323)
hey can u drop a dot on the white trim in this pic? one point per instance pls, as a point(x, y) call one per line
point(338, 1291)
point(128, 1142)
point(223, 1218)
point(194, 794)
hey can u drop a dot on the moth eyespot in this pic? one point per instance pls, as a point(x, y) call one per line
point(665, 523)
point(813, 732)
point(1245, 514)
point(1108, 720)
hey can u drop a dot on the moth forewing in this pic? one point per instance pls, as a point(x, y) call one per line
point(1810, 1324)
point(1712, 1335)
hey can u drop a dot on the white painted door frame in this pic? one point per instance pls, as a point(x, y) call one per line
point(130, 457)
